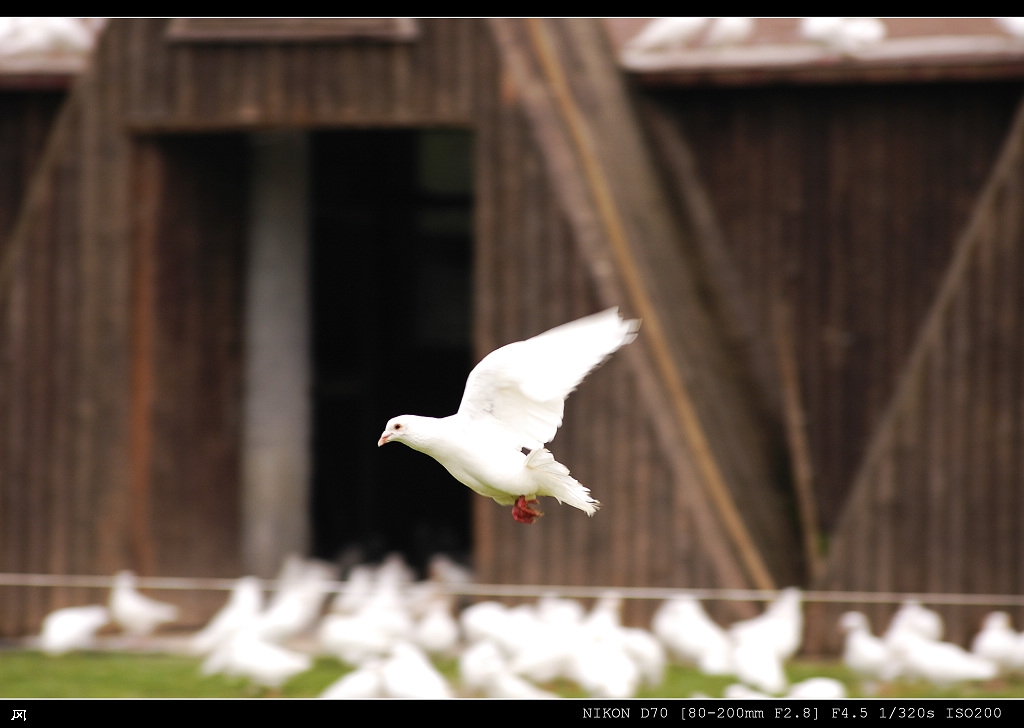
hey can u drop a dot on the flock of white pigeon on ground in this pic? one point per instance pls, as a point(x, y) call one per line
point(388, 627)
point(841, 35)
point(28, 38)
point(845, 35)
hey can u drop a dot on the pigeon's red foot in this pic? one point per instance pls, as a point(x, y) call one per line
point(522, 512)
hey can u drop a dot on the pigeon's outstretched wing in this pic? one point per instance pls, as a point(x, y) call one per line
point(522, 387)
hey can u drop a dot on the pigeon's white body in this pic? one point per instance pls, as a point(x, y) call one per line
point(817, 688)
point(365, 683)
point(729, 31)
point(469, 453)
point(865, 654)
point(437, 632)
point(999, 642)
point(408, 674)
point(136, 613)
point(846, 35)
point(940, 663)
point(242, 608)
point(914, 618)
point(295, 606)
point(779, 627)
point(665, 34)
point(247, 653)
point(514, 401)
point(1012, 26)
point(72, 628)
point(692, 636)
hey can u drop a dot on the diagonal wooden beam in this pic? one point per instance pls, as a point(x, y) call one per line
point(565, 75)
point(654, 330)
point(928, 346)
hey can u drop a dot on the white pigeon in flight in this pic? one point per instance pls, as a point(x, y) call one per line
point(512, 406)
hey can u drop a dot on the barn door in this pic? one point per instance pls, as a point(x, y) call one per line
point(390, 279)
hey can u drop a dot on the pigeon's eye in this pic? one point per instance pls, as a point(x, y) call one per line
point(397, 426)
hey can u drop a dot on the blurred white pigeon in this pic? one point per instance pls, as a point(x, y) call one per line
point(817, 688)
point(484, 669)
point(356, 639)
point(480, 663)
point(408, 674)
point(506, 686)
point(914, 618)
point(1012, 26)
point(604, 624)
point(72, 628)
point(692, 636)
point(487, 620)
point(242, 608)
point(762, 644)
point(846, 35)
point(999, 642)
point(600, 662)
point(560, 612)
point(445, 570)
point(739, 691)
point(779, 627)
point(369, 626)
point(363, 683)
point(647, 652)
point(860, 33)
point(514, 401)
point(663, 34)
point(865, 654)
point(248, 654)
point(557, 633)
point(729, 31)
point(137, 614)
point(939, 663)
point(821, 30)
point(757, 663)
point(358, 588)
point(44, 35)
point(604, 670)
point(296, 605)
point(437, 632)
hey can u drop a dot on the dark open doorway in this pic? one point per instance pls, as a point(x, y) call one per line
point(391, 256)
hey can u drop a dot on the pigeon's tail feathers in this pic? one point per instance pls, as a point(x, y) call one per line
point(554, 480)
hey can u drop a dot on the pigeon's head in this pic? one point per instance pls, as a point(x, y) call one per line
point(853, 620)
point(400, 429)
point(419, 433)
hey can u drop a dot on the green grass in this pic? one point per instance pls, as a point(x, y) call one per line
point(29, 674)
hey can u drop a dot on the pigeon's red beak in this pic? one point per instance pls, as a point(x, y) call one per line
point(383, 439)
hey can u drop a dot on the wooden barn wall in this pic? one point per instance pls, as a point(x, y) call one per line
point(43, 492)
point(117, 329)
point(839, 207)
point(187, 348)
point(63, 400)
point(937, 506)
point(26, 117)
point(529, 274)
point(86, 325)
point(180, 85)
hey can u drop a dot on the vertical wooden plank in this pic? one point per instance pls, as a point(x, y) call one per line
point(61, 465)
point(486, 224)
point(148, 175)
point(937, 485)
point(15, 485)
